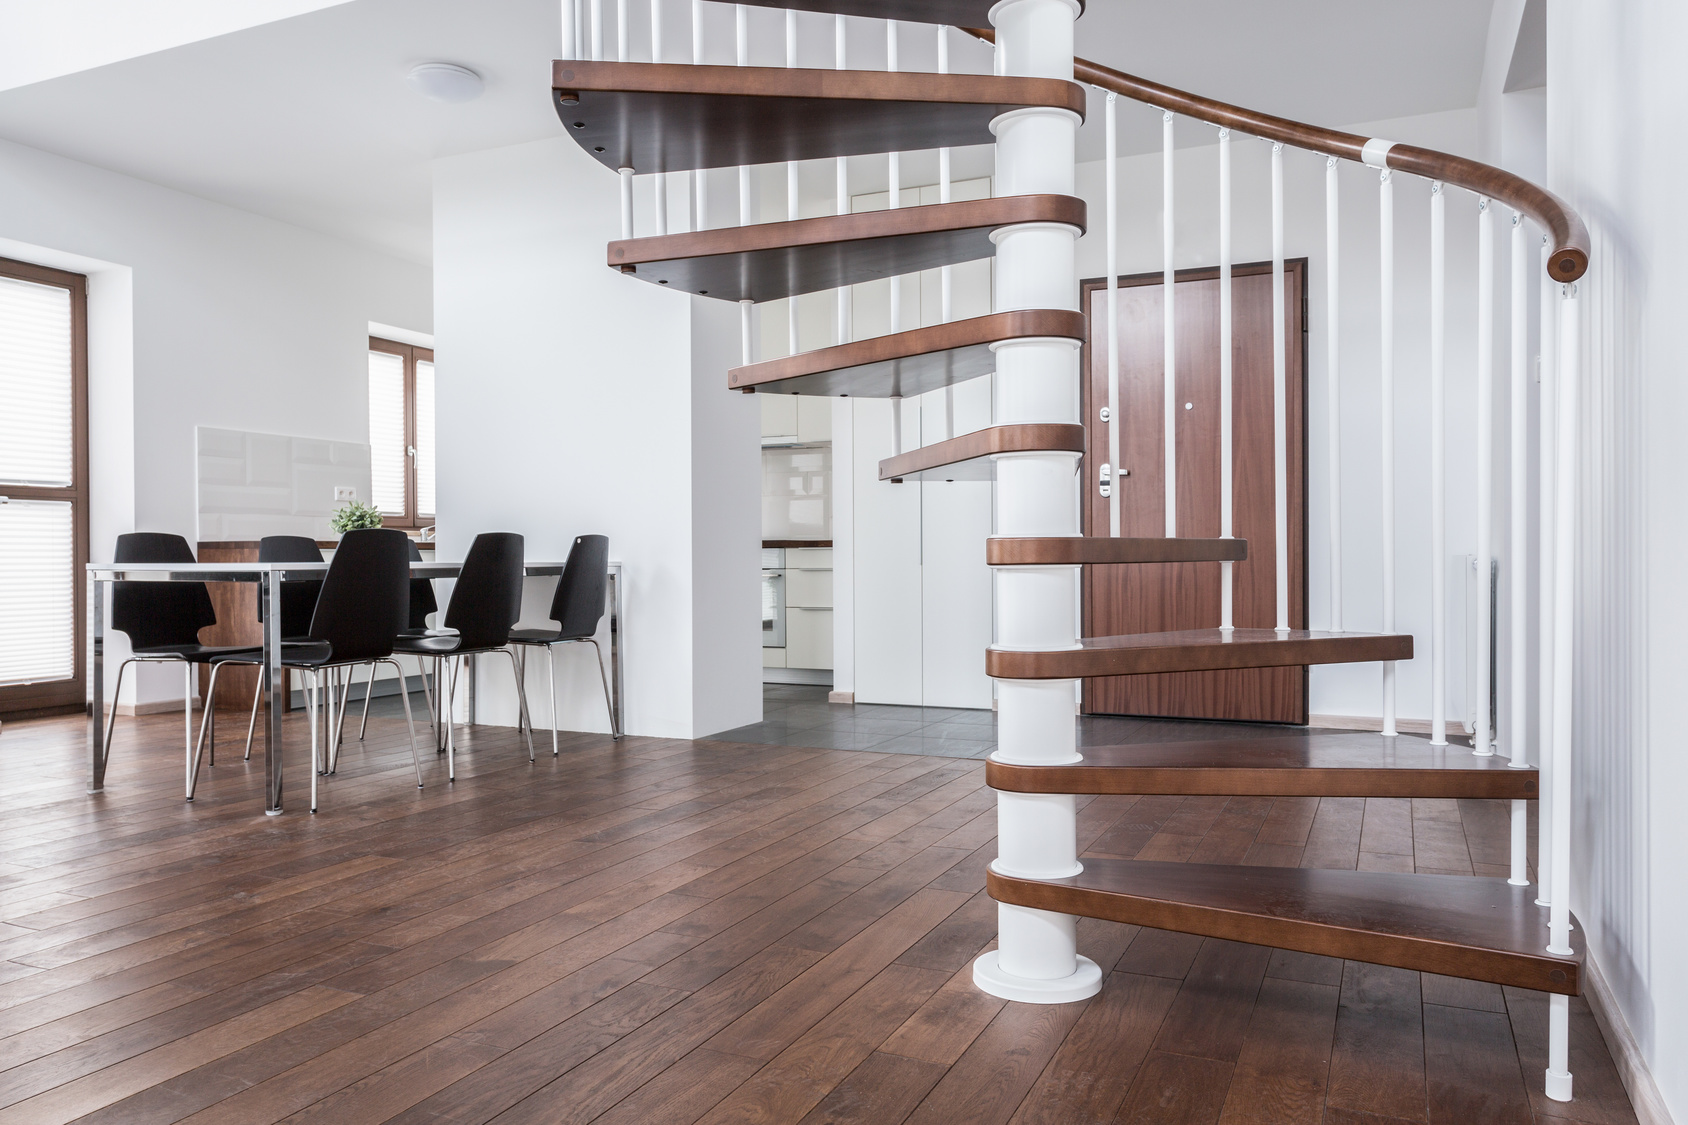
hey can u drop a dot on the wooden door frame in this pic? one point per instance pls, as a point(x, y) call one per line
point(17, 700)
point(1295, 271)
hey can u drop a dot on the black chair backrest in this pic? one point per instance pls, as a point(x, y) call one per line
point(158, 613)
point(365, 595)
point(422, 601)
point(578, 604)
point(298, 599)
point(487, 599)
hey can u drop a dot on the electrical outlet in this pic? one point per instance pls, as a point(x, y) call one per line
point(343, 494)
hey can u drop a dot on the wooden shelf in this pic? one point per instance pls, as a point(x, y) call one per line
point(1457, 925)
point(968, 457)
point(905, 364)
point(1086, 550)
point(1196, 650)
point(669, 117)
point(767, 261)
point(956, 13)
point(1292, 764)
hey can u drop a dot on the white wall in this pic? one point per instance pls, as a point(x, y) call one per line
point(1617, 108)
point(575, 400)
point(1349, 690)
point(199, 314)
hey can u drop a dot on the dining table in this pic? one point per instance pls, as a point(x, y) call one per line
point(269, 576)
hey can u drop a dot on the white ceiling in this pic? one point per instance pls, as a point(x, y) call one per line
point(309, 119)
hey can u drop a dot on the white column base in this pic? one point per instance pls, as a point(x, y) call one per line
point(1082, 984)
point(1558, 1081)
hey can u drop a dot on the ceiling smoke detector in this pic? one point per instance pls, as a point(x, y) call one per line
point(445, 82)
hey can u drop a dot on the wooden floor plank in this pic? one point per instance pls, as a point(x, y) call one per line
point(671, 931)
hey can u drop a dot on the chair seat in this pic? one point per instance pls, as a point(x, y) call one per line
point(540, 637)
point(300, 653)
point(195, 653)
point(436, 644)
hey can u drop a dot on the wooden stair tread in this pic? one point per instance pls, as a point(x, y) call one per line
point(1457, 925)
point(1077, 550)
point(1196, 650)
point(767, 261)
point(671, 117)
point(905, 364)
point(1286, 764)
point(956, 13)
point(968, 457)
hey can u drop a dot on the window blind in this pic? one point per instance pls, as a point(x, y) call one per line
point(37, 444)
point(37, 591)
point(424, 438)
point(386, 432)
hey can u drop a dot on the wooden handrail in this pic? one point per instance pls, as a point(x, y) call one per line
point(1565, 228)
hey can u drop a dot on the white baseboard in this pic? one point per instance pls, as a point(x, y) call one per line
point(1372, 722)
point(156, 707)
point(1644, 1094)
point(841, 697)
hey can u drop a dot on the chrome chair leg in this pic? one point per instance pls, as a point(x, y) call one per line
point(187, 712)
point(339, 718)
point(450, 698)
point(252, 723)
point(204, 722)
point(404, 694)
point(551, 679)
point(615, 733)
point(111, 722)
point(311, 702)
point(368, 693)
point(521, 700)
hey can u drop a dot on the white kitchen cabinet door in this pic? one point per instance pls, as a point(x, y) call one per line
point(808, 638)
point(779, 417)
point(814, 417)
point(808, 589)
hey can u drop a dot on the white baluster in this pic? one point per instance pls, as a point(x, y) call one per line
point(791, 186)
point(1438, 469)
point(895, 175)
point(746, 342)
point(1169, 358)
point(656, 31)
point(1545, 639)
point(1227, 471)
point(660, 183)
point(1518, 547)
point(621, 30)
point(1280, 394)
point(946, 279)
point(700, 186)
point(839, 62)
point(1564, 555)
point(597, 29)
point(626, 202)
point(1482, 738)
point(741, 55)
point(1333, 379)
point(1112, 143)
point(569, 47)
point(1386, 438)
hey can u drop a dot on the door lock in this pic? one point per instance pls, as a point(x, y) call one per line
point(1106, 484)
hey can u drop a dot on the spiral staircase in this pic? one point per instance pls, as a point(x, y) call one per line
point(665, 117)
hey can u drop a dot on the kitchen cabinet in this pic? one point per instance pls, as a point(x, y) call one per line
point(808, 637)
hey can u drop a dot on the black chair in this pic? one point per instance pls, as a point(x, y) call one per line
point(298, 601)
point(576, 607)
point(422, 603)
point(363, 606)
point(163, 620)
point(485, 602)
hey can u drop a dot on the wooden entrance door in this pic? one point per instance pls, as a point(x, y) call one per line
point(1146, 598)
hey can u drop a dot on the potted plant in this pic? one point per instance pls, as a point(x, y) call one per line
point(353, 517)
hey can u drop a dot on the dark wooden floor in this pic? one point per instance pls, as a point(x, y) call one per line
point(666, 931)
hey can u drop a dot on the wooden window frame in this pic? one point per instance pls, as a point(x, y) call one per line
point(57, 695)
point(410, 353)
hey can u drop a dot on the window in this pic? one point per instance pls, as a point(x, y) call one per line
point(43, 486)
point(401, 432)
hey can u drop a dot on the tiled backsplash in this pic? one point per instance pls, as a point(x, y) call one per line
point(253, 485)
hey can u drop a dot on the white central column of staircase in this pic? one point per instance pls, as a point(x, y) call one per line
point(1037, 381)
